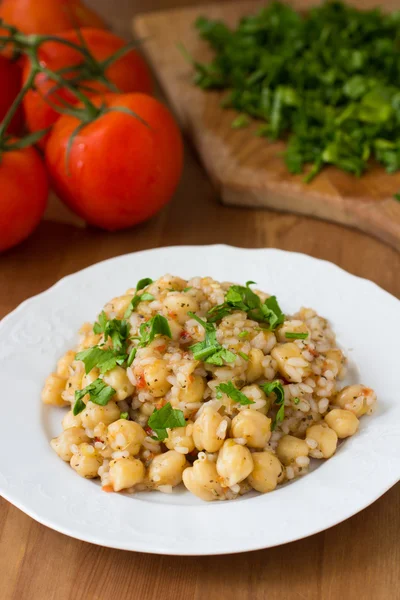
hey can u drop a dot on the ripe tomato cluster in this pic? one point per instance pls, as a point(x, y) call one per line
point(111, 151)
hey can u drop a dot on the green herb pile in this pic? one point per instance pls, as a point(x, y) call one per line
point(327, 81)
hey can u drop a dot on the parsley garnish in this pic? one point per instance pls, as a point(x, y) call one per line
point(116, 329)
point(105, 360)
point(277, 388)
point(139, 298)
point(131, 357)
point(99, 393)
point(295, 336)
point(296, 400)
point(124, 415)
point(157, 325)
point(165, 418)
point(210, 350)
point(240, 122)
point(397, 196)
point(244, 355)
point(186, 289)
point(328, 80)
point(243, 334)
point(240, 297)
point(234, 394)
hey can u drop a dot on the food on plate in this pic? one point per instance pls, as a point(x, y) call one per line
point(204, 383)
point(24, 190)
point(102, 73)
point(326, 80)
point(120, 166)
point(48, 16)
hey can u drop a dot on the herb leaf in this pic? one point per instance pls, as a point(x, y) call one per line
point(210, 350)
point(116, 329)
point(105, 360)
point(234, 394)
point(293, 335)
point(276, 387)
point(240, 297)
point(139, 298)
point(157, 325)
point(124, 415)
point(165, 418)
point(99, 393)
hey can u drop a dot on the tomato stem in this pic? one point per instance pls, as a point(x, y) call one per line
point(14, 107)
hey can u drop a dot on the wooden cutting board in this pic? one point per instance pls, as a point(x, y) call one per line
point(247, 170)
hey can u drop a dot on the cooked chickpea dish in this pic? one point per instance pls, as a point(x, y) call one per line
point(204, 383)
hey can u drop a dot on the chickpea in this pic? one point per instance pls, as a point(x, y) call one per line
point(267, 472)
point(337, 357)
point(253, 426)
point(94, 414)
point(295, 373)
point(64, 364)
point(180, 438)
point(62, 444)
point(168, 282)
point(193, 390)
point(167, 468)
point(234, 463)
point(358, 399)
point(125, 435)
point(343, 422)
point(155, 375)
point(325, 437)
point(118, 379)
point(118, 305)
point(125, 473)
point(53, 388)
point(290, 327)
point(254, 365)
point(289, 448)
point(178, 305)
point(176, 330)
point(70, 420)
point(208, 431)
point(88, 378)
point(73, 383)
point(86, 461)
point(255, 393)
point(202, 480)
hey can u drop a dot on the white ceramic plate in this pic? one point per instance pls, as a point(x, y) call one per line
point(367, 322)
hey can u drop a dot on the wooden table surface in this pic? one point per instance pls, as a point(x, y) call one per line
point(359, 558)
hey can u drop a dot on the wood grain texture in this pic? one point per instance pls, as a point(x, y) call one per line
point(248, 170)
point(358, 559)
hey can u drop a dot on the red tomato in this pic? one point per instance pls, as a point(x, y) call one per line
point(23, 195)
point(10, 84)
point(129, 74)
point(48, 16)
point(119, 171)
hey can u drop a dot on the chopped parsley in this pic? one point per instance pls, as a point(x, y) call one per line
point(296, 400)
point(240, 297)
point(326, 80)
point(115, 329)
point(131, 357)
point(397, 196)
point(234, 394)
point(124, 415)
point(105, 360)
point(186, 289)
point(243, 334)
point(99, 393)
point(210, 350)
point(139, 297)
point(165, 418)
point(240, 122)
point(293, 335)
point(244, 355)
point(276, 388)
point(157, 325)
